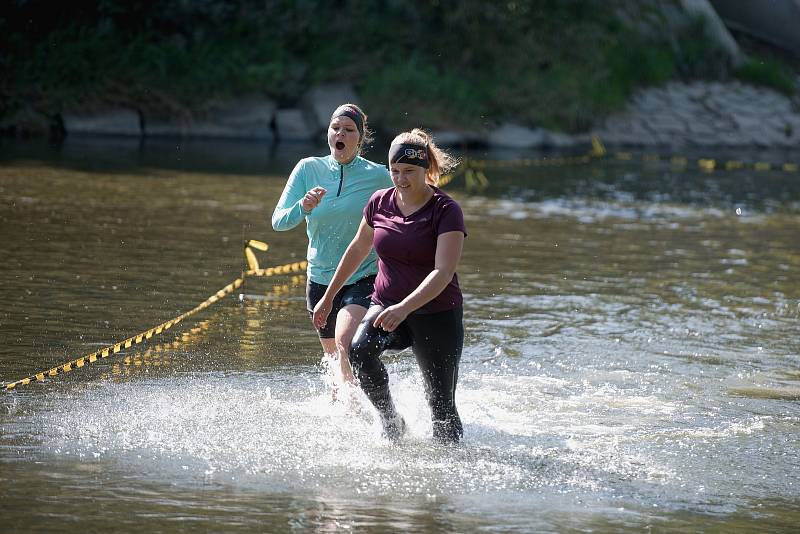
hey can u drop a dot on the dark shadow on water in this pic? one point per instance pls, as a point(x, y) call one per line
point(650, 176)
point(132, 155)
point(653, 176)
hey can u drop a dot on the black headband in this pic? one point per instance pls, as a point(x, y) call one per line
point(347, 111)
point(409, 153)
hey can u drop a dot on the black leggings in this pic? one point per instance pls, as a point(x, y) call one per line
point(436, 340)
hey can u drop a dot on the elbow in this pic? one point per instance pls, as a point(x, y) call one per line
point(446, 272)
point(277, 224)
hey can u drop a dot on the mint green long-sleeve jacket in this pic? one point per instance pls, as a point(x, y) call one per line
point(333, 223)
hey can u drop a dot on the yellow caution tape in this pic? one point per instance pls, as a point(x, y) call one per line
point(444, 180)
point(733, 165)
point(476, 180)
point(258, 245)
point(160, 354)
point(110, 350)
point(252, 262)
point(598, 150)
point(707, 165)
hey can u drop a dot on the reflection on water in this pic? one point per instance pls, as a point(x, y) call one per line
point(631, 358)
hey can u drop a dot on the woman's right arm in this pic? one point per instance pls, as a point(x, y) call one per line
point(289, 210)
point(356, 252)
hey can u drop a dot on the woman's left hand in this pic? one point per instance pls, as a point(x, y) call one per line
point(390, 318)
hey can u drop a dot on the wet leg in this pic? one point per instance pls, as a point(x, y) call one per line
point(365, 351)
point(437, 343)
point(347, 322)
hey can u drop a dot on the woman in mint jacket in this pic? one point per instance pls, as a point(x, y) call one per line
point(330, 193)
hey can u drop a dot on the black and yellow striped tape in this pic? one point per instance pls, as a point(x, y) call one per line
point(475, 178)
point(159, 354)
point(146, 335)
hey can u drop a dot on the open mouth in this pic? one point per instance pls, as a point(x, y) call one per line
point(339, 145)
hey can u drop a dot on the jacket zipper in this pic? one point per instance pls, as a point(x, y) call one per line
point(341, 179)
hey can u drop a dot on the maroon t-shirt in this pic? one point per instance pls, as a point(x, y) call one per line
point(406, 247)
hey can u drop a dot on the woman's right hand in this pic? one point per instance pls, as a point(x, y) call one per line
point(312, 199)
point(321, 312)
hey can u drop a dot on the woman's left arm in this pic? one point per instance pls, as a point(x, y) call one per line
point(448, 254)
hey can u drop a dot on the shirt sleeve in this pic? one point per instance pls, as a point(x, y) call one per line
point(369, 209)
point(451, 218)
point(289, 211)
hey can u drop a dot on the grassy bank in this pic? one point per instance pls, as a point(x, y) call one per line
point(554, 63)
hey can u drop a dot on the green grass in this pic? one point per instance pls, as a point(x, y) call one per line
point(414, 94)
point(76, 65)
point(560, 64)
point(768, 73)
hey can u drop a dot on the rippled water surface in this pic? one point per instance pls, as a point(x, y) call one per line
point(632, 358)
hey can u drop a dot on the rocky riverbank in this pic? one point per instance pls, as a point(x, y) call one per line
point(706, 114)
point(699, 114)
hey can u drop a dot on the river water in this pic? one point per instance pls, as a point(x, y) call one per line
point(631, 362)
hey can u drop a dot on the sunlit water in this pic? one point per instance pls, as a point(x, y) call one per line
point(632, 357)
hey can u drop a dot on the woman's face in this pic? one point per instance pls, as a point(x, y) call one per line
point(407, 177)
point(343, 139)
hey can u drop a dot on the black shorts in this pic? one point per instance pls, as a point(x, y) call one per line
point(357, 293)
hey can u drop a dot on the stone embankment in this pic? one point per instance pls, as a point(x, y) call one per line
point(706, 114)
point(249, 118)
point(701, 114)
point(696, 114)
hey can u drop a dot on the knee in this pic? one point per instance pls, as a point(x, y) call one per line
point(362, 350)
point(343, 345)
point(347, 323)
point(366, 363)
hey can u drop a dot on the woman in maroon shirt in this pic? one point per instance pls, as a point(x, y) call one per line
point(418, 232)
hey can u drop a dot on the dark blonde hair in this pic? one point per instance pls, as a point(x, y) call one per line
point(439, 161)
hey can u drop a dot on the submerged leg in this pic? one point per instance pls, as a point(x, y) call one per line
point(365, 351)
point(438, 342)
point(347, 322)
